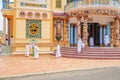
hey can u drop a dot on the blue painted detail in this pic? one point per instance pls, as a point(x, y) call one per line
point(74, 3)
point(114, 2)
point(104, 33)
point(75, 34)
point(108, 30)
point(3, 4)
point(71, 35)
point(100, 35)
point(69, 31)
point(96, 2)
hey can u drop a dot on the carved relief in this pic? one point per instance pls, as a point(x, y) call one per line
point(103, 1)
point(37, 15)
point(118, 1)
point(30, 14)
point(90, 1)
point(85, 31)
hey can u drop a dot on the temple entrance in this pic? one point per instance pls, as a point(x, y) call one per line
point(94, 31)
point(73, 35)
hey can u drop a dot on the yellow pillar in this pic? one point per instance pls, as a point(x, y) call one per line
point(4, 29)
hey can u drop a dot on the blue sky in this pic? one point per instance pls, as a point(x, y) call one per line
point(1, 17)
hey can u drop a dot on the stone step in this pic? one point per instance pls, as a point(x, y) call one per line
point(92, 57)
point(91, 53)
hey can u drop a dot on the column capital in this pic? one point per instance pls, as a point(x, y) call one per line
point(116, 18)
point(79, 17)
point(5, 16)
point(85, 16)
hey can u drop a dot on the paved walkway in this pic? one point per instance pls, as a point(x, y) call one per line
point(17, 65)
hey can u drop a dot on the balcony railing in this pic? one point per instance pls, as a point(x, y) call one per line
point(82, 3)
point(7, 5)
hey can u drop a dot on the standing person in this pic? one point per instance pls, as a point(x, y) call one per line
point(91, 41)
point(79, 45)
point(58, 53)
point(36, 49)
point(6, 42)
point(106, 40)
point(27, 50)
point(11, 40)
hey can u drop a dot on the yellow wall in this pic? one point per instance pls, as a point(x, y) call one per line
point(19, 23)
point(18, 5)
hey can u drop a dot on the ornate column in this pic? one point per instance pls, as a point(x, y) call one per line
point(117, 27)
point(65, 31)
point(4, 29)
point(85, 31)
point(112, 34)
point(78, 26)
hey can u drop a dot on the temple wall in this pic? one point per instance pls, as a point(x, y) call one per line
point(34, 3)
point(20, 28)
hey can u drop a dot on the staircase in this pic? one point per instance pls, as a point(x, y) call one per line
point(6, 50)
point(91, 53)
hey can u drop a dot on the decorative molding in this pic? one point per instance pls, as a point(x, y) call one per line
point(22, 14)
point(30, 14)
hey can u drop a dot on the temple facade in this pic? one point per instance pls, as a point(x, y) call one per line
point(46, 20)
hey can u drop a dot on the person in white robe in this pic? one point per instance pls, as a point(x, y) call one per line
point(82, 44)
point(27, 50)
point(36, 53)
point(6, 42)
point(106, 40)
point(91, 42)
point(58, 53)
point(79, 45)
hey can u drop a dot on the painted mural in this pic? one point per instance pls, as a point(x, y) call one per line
point(33, 29)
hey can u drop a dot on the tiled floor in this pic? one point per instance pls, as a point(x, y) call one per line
point(19, 64)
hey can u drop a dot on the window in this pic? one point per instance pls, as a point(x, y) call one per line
point(58, 3)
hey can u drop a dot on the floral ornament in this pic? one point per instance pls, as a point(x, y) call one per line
point(37, 15)
point(22, 14)
point(90, 1)
point(103, 1)
point(30, 14)
point(44, 15)
point(33, 29)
